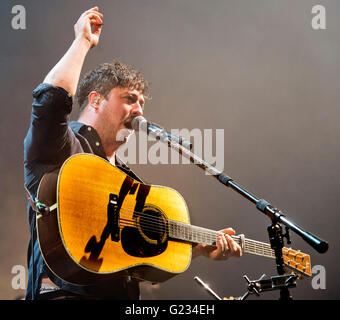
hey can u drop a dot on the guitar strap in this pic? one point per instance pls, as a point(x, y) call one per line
point(34, 208)
point(121, 165)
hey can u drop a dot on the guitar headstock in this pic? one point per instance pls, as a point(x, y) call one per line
point(297, 261)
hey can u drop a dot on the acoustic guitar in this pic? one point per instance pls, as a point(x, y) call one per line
point(103, 224)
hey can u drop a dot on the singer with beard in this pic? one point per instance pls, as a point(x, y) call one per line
point(110, 97)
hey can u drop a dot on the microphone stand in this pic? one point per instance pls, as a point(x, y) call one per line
point(276, 216)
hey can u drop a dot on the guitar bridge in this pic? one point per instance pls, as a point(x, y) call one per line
point(113, 217)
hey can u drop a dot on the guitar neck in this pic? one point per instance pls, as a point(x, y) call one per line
point(193, 234)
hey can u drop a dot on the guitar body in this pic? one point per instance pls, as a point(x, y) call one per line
point(109, 225)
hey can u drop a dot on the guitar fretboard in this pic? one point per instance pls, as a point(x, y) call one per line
point(193, 234)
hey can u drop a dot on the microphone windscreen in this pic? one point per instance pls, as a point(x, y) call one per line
point(137, 122)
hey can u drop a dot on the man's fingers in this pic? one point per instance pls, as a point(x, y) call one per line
point(220, 245)
point(235, 248)
point(89, 26)
point(230, 231)
point(225, 243)
point(91, 14)
point(97, 29)
point(94, 9)
point(94, 13)
point(94, 18)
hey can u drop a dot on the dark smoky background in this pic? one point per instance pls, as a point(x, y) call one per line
point(256, 69)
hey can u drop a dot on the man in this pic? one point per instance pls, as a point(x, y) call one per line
point(109, 98)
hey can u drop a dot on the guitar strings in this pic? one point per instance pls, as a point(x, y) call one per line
point(249, 247)
point(159, 223)
point(261, 249)
point(213, 234)
point(156, 225)
point(252, 246)
point(153, 222)
point(132, 223)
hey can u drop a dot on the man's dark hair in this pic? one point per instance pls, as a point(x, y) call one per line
point(108, 76)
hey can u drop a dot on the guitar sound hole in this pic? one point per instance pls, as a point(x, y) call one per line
point(152, 225)
point(149, 237)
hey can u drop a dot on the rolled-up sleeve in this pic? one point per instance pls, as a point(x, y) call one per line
point(48, 136)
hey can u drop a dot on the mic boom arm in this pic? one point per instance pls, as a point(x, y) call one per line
point(140, 123)
point(265, 207)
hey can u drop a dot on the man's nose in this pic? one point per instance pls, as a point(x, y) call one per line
point(137, 109)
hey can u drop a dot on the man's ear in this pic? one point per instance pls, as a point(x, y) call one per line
point(94, 99)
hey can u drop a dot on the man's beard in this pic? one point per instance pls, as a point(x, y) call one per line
point(120, 136)
point(123, 135)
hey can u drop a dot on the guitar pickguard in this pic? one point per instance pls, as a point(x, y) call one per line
point(111, 228)
point(143, 236)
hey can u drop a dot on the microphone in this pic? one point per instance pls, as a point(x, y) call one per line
point(140, 123)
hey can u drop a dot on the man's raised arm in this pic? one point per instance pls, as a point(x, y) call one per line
point(67, 71)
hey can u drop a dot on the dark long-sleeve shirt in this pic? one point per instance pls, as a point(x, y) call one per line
point(50, 140)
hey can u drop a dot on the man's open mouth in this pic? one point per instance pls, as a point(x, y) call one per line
point(128, 125)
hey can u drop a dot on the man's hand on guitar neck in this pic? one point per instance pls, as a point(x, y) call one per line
point(226, 247)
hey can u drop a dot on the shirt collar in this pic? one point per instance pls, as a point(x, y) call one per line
point(91, 135)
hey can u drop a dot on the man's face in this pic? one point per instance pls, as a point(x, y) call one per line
point(117, 112)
